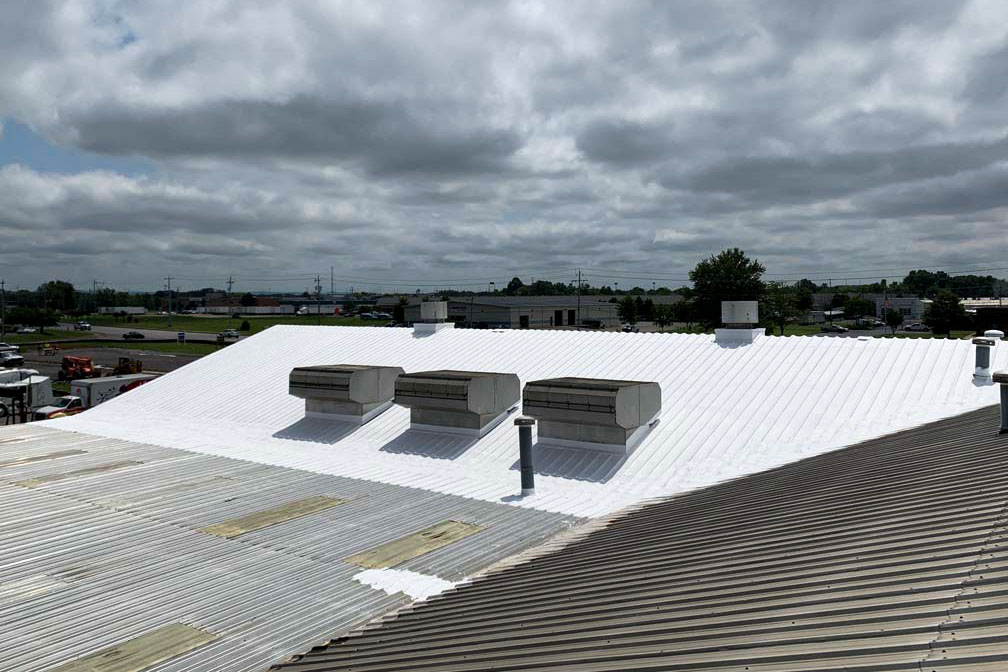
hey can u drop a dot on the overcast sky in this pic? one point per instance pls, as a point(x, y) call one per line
point(421, 141)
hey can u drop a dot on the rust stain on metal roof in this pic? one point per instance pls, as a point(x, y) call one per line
point(33, 482)
point(42, 458)
point(230, 529)
point(143, 652)
point(406, 548)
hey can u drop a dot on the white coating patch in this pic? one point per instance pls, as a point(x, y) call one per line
point(416, 585)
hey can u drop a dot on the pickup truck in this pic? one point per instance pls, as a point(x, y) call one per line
point(65, 405)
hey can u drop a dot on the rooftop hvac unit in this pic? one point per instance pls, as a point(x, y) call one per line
point(344, 392)
point(739, 313)
point(459, 402)
point(433, 311)
point(609, 415)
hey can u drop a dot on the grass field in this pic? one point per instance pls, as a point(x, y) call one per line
point(217, 324)
point(54, 334)
point(173, 348)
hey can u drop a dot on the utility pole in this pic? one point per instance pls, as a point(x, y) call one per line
point(578, 321)
point(169, 302)
point(318, 298)
point(3, 308)
point(227, 299)
point(332, 284)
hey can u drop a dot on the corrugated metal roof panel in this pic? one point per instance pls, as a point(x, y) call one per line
point(726, 411)
point(888, 555)
point(92, 561)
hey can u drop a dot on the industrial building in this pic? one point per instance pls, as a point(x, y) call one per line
point(531, 312)
point(291, 488)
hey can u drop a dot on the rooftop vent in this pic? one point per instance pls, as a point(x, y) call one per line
point(984, 354)
point(344, 392)
point(739, 319)
point(1001, 378)
point(609, 415)
point(458, 402)
point(432, 318)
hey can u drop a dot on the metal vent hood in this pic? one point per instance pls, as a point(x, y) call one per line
point(609, 415)
point(344, 392)
point(458, 402)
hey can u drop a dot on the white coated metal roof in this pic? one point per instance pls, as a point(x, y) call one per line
point(726, 411)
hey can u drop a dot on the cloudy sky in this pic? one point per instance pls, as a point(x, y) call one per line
point(427, 142)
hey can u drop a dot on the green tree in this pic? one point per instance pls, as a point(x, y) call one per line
point(39, 318)
point(779, 304)
point(247, 300)
point(945, 313)
point(514, 287)
point(729, 276)
point(893, 320)
point(58, 295)
point(663, 315)
point(856, 307)
point(628, 310)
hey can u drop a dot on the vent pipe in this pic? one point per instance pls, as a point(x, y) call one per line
point(1001, 377)
point(525, 455)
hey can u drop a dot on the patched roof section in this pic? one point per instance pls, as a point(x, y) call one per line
point(131, 564)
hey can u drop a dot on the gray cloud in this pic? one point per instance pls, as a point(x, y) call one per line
point(384, 138)
point(456, 140)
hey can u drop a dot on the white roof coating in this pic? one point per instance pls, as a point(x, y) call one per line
point(726, 411)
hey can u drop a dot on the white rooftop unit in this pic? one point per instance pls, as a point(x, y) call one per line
point(739, 313)
point(457, 402)
point(344, 392)
point(433, 311)
point(608, 415)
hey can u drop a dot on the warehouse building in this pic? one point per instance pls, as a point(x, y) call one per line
point(333, 475)
point(595, 311)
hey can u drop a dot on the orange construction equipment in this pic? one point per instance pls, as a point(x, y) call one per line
point(127, 365)
point(74, 368)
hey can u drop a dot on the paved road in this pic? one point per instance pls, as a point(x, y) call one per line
point(153, 362)
point(117, 332)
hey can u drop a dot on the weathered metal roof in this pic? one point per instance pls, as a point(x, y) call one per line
point(888, 555)
point(109, 543)
point(726, 411)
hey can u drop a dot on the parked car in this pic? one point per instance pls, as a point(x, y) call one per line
point(65, 405)
point(7, 347)
point(27, 330)
point(82, 326)
point(833, 329)
point(133, 336)
point(383, 316)
point(10, 359)
point(917, 326)
point(631, 328)
point(231, 333)
point(368, 316)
